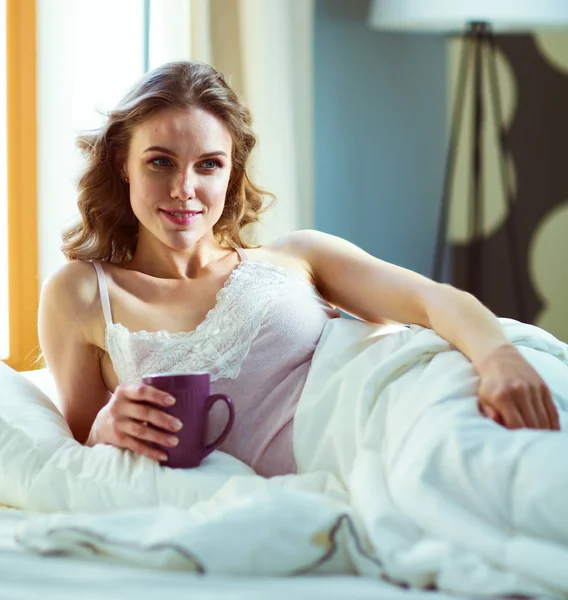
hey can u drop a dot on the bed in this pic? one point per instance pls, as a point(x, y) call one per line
point(24, 575)
point(389, 449)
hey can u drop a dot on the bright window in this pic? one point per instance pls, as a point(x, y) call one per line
point(77, 81)
point(4, 320)
point(54, 82)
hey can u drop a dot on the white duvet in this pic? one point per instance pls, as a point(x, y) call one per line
point(400, 478)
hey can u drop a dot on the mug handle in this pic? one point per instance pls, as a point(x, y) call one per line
point(208, 406)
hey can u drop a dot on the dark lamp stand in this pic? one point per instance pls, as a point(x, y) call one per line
point(478, 52)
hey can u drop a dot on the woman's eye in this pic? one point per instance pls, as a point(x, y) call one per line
point(211, 164)
point(161, 162)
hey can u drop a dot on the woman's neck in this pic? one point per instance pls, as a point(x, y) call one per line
point(166, 263)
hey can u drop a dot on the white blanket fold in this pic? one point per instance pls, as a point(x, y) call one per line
point(242, 537)
point(400, 477)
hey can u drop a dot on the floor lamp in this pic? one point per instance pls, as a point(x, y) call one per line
point(475, 21)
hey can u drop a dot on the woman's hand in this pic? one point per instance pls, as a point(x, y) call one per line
point(512, 393)
point(130, 418)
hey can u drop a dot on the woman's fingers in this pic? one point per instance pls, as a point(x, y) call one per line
point(538, 403)
point(547, 403)
point(134, 444)
point(144, 403)
point(537, 408)
point(152, 416)
point(525, 403)
point(491, 413)
point(147, 433)
point(510, 415)
point(145, 393)
point(512, 387)
point(529, 407)
point(140, 423)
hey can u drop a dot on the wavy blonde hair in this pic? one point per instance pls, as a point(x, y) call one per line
point(108, 228)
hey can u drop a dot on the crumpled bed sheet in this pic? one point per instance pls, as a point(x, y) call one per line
point(400, 478)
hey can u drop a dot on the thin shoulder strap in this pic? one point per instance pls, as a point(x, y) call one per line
point(242, 254)
point(103, 293)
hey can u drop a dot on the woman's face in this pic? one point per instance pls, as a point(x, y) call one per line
point(179, 165)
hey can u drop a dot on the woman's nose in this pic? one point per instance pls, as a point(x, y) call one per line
point(184, 187)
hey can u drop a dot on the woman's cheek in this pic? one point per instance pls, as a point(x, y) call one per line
point(154, 187)
point(219, 186)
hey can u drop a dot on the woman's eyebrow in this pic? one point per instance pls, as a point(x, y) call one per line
point(168, 151)
point(160, 149)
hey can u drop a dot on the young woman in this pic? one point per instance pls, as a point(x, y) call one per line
point(160, 279)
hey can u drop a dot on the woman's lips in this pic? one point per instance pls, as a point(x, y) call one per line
point(180, 217)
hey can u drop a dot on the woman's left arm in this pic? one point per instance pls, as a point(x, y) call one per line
point(510, 391)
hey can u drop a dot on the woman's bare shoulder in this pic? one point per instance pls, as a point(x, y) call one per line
point(72, 288)
point(288, 251)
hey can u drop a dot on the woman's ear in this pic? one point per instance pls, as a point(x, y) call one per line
point(120, 166)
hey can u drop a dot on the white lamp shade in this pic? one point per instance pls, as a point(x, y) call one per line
point(452, 15)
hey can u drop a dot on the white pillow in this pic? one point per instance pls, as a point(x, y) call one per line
point(232, 521)
point(42, 379)
point(44, 469)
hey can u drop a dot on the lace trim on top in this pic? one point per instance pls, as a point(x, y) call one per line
point(221, 342)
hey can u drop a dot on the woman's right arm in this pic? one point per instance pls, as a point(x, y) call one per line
point(67, 313)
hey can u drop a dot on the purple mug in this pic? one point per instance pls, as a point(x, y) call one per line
point(193, 403)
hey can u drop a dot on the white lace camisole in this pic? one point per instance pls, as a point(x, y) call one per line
point(256, 343)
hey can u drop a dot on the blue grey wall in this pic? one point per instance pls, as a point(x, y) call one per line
point(380, 134)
